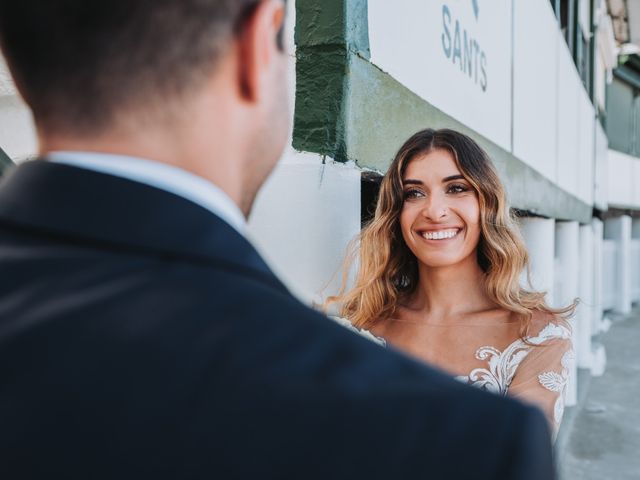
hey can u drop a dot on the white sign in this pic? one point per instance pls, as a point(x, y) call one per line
point(456, 54)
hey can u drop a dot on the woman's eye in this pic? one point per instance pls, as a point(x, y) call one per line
point(457, 189)
point(413, 193)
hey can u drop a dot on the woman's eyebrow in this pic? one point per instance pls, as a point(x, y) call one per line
point(411, 181)
point(452, 177)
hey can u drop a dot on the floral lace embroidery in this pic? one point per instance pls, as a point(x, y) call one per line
point(556, 382)
point(503, 365)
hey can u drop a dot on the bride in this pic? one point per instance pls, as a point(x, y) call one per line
point(439, 276)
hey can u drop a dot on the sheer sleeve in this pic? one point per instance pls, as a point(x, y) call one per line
point(541, 378)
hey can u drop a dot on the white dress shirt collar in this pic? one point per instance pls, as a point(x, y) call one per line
point(159, 175)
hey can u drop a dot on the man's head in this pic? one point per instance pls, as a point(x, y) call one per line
point(90, 68)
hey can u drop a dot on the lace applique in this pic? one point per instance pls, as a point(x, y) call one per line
point(556, 382)
point(503, 365)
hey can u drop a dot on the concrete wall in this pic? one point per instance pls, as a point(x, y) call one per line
point(554, 120)
point(601, 173)
point(303, 220)
point(623, 172)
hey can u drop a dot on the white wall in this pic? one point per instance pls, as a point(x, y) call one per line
point(414, 41)
point(618, 229)
point(609, 274)
point(306, 213)
point(623, 173)
point(17, 135)
point(598, 275)
point(568, 159)
point(554, 120)
point(535, 95)
point(539, 237)
point(601, 173)
point(586, 307)
point(6, 84)
point(586, 148)
point(635, 270)
point(303, 220)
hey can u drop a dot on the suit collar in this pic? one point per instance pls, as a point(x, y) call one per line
point(91, 207)
point(160, 175)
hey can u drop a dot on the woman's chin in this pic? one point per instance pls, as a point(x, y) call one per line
point(442, 260)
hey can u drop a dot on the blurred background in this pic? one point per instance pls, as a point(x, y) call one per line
point(550, 88)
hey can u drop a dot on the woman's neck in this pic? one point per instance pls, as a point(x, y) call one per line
point(445, 293)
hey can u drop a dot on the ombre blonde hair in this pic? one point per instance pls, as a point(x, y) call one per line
point(388, 270)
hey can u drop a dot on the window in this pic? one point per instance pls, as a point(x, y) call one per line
point(574, 20)
point(623, 111)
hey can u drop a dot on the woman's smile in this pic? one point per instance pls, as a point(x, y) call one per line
point(440, 234)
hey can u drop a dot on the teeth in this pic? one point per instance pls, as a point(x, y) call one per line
point(440, 235)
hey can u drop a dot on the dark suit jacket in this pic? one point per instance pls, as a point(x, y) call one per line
point(142, 337)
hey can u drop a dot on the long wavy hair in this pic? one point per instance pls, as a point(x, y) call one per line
point(388, 271)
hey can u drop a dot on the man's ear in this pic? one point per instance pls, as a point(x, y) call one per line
point(259, 47)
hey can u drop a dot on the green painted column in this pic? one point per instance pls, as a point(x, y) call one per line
point(328, 34)
point(5, 161)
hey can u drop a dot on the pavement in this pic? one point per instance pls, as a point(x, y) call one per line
point(601, 438)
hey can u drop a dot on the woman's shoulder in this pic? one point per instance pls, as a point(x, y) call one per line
point(345, 322)
point(547, 326)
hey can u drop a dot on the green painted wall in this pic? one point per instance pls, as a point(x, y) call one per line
point(328, 33)
point(5, 161)
point(350, 110)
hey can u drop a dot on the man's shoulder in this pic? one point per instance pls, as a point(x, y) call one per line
point(291, 344)
point(241, 359)
point(271, 320)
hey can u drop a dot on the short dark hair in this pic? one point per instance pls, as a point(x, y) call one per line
point(77, 61)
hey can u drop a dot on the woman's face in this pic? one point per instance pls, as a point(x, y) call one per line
point(440, 217)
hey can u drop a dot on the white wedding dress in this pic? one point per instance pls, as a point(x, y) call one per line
point(535, 371)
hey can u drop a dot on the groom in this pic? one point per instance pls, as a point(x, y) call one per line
point(141, 335)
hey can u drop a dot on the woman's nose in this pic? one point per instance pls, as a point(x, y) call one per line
point(435, 207)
